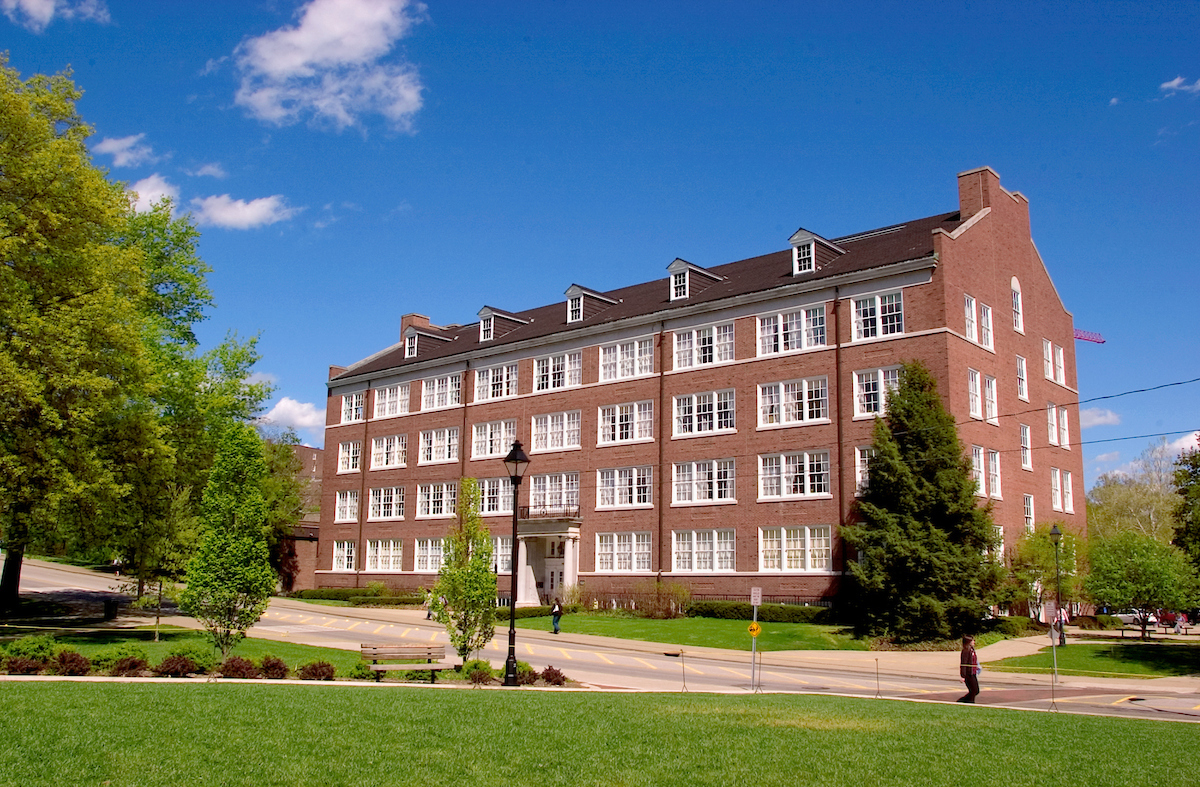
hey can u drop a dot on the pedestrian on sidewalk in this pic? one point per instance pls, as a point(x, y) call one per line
point(969, 670)
point(556, 614)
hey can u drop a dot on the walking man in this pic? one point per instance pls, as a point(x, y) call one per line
point(556, 614)
point(969, 669)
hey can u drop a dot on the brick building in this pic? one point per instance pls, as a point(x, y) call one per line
point(710, 427)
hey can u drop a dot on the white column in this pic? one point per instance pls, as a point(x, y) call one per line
point(571, 563)
point(527, 595)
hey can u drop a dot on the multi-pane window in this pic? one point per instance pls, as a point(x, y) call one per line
point(1018, 313)
point(707, 345)
point(387, 503)
point(444, 391)
point(624, 423)
point(1028, 510)
point(575, 309)
point(878, 315)
point(1064, 429)
point(971, 331)
point(701, 413)
point(973, 399)
point(502, 554)
point(789, 331)
point(1056, 501)
point(977, 470)
point(679, 285)
point(793, 402)
point(1026, 448)
point(349, 456)
point(439, 445)
point(493, 439)
point(391, 400)
point(429, 554)
point(862, 467)
point(624, 552)
point(1060, 372)
point(1068, 493)
point(1022, 379)
point(1052, 422)
point(558, 371)
point(554, 493)
point(485, 329)
point(871, 389)
point(495, 496)
point(624, 487)
point(390, 451)
point(795, 548)
point(985, 326)
point(410, 346)
point(798, 474)
point(802, 258)
point(704, 482)
point(705, 550)
point(384, 554)
point(556, 431)
point(343, 555)
point(994, 473)
point(498, 382)
point(1048, 359)
point(437, 499)
point(352, 407)
point(989, 400)
point(626, 359)
point(347, 506)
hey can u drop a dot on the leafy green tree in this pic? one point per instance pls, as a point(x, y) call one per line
point(1135, 571)
point(925, 572)
point(284, 488)
point(74, 376)
point(1141, 500)
point(464, 597)
point(1033, 573)
point(1187, 511)
point(230, 579)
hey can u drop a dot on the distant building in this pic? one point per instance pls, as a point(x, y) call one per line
point(301, 548)
point(711, 427)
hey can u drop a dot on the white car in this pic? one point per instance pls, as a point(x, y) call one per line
point(1131, 618)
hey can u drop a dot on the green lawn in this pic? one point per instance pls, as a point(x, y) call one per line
point(330, 735)
point(1109, 658)
point(705, 632)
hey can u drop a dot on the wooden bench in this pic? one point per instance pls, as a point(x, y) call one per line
point(428, 653)
point(1137, 631)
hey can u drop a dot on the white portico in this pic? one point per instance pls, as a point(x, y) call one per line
point(547, 559)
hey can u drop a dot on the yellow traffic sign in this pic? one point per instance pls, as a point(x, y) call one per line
point(754, 629)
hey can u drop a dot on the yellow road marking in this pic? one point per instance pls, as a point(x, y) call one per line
point(644, 663)
point(564, 653)
point(736, 672)
point(603, 658)
point(1123, 699)
point(381, 628)
point(693, 669)
point(305, 620)
point(405, 632)
point(529, 648)
point(433, 637)
point(352, 625)
point(788, 677)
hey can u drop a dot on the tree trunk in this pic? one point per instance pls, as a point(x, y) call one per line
point(10, 584)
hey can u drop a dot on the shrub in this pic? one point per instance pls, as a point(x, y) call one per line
point(176, 666)
point(317, 670)
point(274, 668)
point(526, 675)
point(662, 600)
point(386, 601)
point(238, 667)
point(107, 658)
point(1014, 626)
point(475, 664)
point(39, 647)
point(361, 671)
point(769, 613)
point(480, 677)
point(502, 613)
point(376, 588)
point(128, 667)
point(71, 662)
point(204, 656)
point(22, 665)
point(333, 594)
point(553, 676)
point(1109, 622)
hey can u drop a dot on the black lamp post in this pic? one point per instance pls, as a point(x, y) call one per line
point(515, 463)
point(1056, 537)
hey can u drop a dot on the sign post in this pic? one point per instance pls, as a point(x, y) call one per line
point(755, 602)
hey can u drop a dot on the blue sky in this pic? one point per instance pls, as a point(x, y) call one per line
point(352, 160)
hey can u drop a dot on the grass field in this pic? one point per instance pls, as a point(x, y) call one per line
point(210, 734)
point(705, 632)
point(1110, 658)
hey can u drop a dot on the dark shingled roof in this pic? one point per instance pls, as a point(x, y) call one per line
point(873, 249)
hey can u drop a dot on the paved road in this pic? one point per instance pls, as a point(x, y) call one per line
point(640, 666)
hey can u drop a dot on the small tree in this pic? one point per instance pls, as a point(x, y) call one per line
point(230, 579)
point(1187, 513)
point(1139, 572)
point(1032, 570)
point(464, 597)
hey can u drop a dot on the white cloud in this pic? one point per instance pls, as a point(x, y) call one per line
point(261, 377)
point(298, 415)
point(1097, 416)
point(235, 214)
point(36, 15)
point(1112, 456)
point(1180, 85)
point(150, 190)
point(213, 170)
point(1189, 442)
point(1114, 101)
point(126, 151)
point(327, 66)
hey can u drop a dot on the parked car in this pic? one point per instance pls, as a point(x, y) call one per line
point(1131, 618)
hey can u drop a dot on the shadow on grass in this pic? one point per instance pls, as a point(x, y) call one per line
point(1168, 659)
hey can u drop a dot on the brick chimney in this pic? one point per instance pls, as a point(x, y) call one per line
point(417, 320)
point(334, 371)
point(976, 190)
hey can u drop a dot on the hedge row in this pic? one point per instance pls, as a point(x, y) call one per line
point(332, 594)
point(770, 613)
point(522, 612)
point(386, 601)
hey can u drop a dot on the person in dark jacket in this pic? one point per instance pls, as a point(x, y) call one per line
point(968, 669)
point(556, 614)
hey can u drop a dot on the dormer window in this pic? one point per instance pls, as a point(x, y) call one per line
point(679, 285)
point(485, 329)
point(802, 259)
point(687, 279)
point(410, 346)
point(583, 303)
point(811, 252)
point(575, 309)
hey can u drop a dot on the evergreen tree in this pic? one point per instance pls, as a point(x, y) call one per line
point(230, 579)
point(464, 598)
point(925, 571)
point(1187, 512)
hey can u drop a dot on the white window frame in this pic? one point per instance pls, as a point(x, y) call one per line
point(707, 551)
point(679, 285)
point(575, 309)
point(623, 553)
point(437, 500)
point(502, 554)
point(810, 470)
point(977, 471)
point(556, 432)
point(1027, 512)
point(782, 333)
point(1064, 428)
point(1022, 379)
point(882, 381)
point(559, 371)
point(707, 345)
point(862, 467)
point(994, 488)
point(970, 324)
point(349, 456)
point(986, 337)
point(410, 346)
point(1026, 448)
point(554, 492)
point(706, 482)
point(390, 451)
point(1018, 308)
point(706, 413)
point(625, 487)
point(391, 400)
point(495, 497)
point(627, 360)
point(795, 549)
point(1068, 493)
point(346, 509)
point(492, 439)
point(438, 446)
point(343, 556)
point(870, 320)
point(352, 407)
point(804, 258)
point(628, 422)
point(1060, 369)
point(1056, 489)
point(990, 407)
point(974, 399)
point(441, 392)
point(487, 381)
point(1048, 359)
point(793, 402)
point(1052, 422)
point(487, 328)
point(429, 555)
point(384, 555)
point(385, 504)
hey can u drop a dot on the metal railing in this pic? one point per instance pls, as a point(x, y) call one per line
point(549, 512)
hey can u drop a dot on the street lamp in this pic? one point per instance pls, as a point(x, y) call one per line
point(515, 463)
point(1056, 537)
